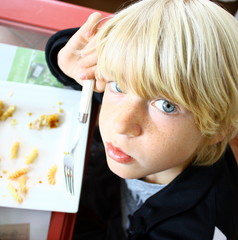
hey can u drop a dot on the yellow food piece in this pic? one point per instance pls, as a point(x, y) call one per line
point(15, 150)
point(50, 121)
point(22, 182)
point(61, 110)
point(31, 158)
point(1, 108)
point(17, 173)
point(13, 122)
point(5, 114)
point(51, 175)
point(15, 194)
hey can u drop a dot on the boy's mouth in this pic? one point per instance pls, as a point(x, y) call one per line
point(117, 154)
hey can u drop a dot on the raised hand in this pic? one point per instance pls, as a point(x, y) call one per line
point(78, 58)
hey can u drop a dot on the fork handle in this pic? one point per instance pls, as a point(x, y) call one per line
point(85, 101)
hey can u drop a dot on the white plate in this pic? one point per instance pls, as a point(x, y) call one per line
point(51, 144)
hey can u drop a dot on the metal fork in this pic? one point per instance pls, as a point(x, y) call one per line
point(85, 103)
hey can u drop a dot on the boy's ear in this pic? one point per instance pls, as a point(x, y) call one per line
point(220, 136)
point(234, 141)
point(234, 147)
point(215, 139)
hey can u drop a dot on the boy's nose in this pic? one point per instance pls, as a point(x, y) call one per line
point(129, 122)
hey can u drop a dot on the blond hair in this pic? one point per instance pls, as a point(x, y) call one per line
point(183, 50)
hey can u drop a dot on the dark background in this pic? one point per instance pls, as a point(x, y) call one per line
point(114, 5)
point(103, 5)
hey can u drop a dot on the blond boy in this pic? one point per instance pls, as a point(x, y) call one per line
point(169, 73)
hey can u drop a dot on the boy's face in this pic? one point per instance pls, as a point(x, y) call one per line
point(154, 140)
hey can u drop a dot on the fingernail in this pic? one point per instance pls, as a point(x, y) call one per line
point(88, 34)
point(82, 76)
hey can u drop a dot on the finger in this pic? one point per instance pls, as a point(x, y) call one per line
point(90, 27)
point(88, 61)
point(89, 47)
point(100, 82)
point(90, 73)
point(88, 54)
point(100, 86)
point(83, 34)
point(84, 74)
point(72, 62)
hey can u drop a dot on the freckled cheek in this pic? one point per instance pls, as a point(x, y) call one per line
point(185, 139)
point(180, 134)
point(161, 123)
point(109, 110)
point(105, 120)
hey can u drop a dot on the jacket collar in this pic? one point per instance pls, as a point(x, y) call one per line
point(182, 194)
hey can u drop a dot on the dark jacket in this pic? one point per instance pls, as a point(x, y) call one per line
point(196, 202)
point(192, 205)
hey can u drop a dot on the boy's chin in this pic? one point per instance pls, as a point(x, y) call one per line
point(125, 172)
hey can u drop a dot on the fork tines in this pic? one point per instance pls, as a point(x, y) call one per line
point(69, 175)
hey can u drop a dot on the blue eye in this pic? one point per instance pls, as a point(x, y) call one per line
point(165, 106)
point(115, 87)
